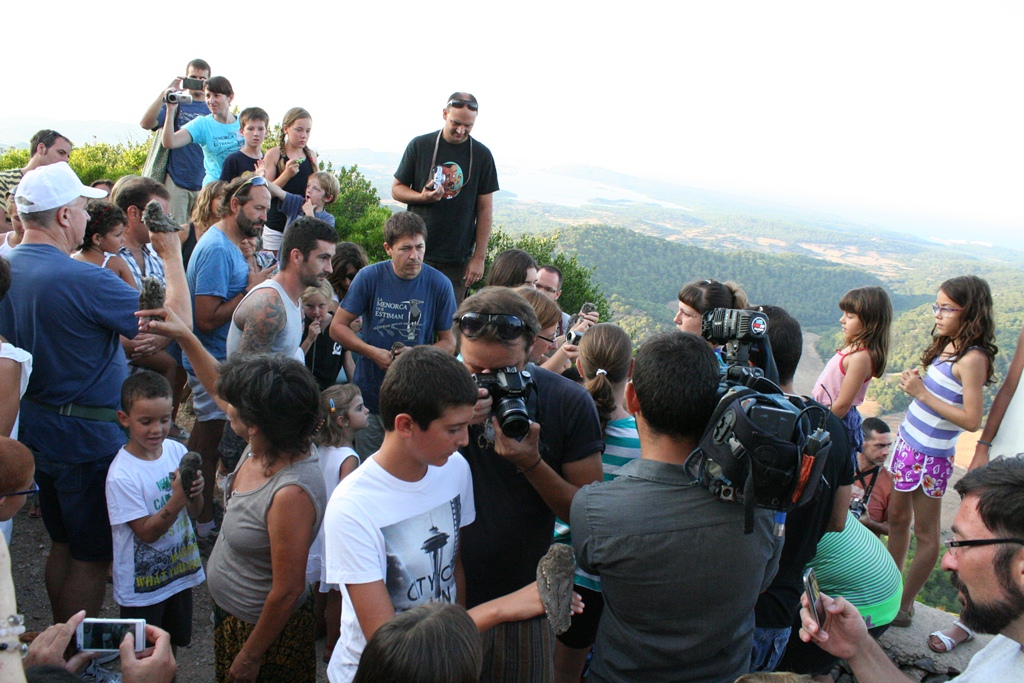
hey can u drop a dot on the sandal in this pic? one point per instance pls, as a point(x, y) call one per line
point(949, 643)
point(903, 619)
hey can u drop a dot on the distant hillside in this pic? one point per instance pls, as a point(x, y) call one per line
point(641, 276)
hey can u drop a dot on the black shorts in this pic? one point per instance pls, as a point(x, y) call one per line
point(73, 499)
point(583, 631)
point(173, 615)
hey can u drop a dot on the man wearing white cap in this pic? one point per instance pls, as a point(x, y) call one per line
point(69, 315)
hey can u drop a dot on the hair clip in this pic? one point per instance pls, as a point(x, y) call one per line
point(707, 281)
point(600, 371)
point(334, 408)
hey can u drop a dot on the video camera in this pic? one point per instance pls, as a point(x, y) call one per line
point(172, 97)
point(761, 447)
point(509, 388)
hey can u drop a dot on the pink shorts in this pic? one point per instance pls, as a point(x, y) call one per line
point(911, 468)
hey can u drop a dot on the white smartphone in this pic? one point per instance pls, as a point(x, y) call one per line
point(814, 597)
point(105, 635)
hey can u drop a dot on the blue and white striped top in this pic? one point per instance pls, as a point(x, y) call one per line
point(922, 428)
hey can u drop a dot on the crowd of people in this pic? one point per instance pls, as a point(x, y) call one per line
point(396, 452)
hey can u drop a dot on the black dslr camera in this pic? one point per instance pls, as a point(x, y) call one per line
point(509, 389)
point(736, 330)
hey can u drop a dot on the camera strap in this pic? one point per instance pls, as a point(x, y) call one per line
point(870, 486)
point(433, 159)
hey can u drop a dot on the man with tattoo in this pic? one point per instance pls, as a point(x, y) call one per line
point(269, 318)
point(218, 279)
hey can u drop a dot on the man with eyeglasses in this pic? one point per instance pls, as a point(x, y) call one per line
point(449, 179)
point(185, 169)
point(218, 280)
point(403, 303)
point(48, 147)
point(986, 562)
point(519, 484)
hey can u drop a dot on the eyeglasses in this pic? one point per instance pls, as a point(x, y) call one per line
point(34, 489)
point(549, 340)
point(944, 311)
point(255, 181)
point(507, 327)
point(545, 288)
point(460, 103)
point(950, 544)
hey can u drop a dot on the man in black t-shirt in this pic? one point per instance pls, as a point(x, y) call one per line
point(519, 486)
point(778, 606)
point(448, 178)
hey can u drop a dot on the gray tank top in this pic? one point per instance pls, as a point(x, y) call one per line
point(239, 569)
point(287, 340)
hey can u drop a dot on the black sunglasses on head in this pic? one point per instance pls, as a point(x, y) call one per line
point(255, 181)
point(507, 327)
point(460, 103)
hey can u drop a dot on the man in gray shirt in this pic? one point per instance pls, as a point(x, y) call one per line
point(679, 576)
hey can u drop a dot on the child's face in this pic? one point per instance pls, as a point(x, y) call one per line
point(298, 132)
point(254, 133)
point(852, 325)
point(358, 415)
point(148, 423)
point(947, 324)
point(315, 192)
point(443, 436)
point(315, 308)
point(112, 241)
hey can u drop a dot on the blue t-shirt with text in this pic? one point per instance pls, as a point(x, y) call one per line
point(217, 139)
point(185, 164)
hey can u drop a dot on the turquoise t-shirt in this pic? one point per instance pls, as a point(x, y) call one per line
point(217, 139)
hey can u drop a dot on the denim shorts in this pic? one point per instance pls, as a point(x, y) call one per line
point(203, 404)
point(73, 500)
point(768, 647)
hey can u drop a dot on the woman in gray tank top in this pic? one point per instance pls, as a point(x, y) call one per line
point(274, 504)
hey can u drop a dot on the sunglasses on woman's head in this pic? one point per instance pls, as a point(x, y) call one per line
point(506, 326)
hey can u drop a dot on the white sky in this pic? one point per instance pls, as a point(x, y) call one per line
point(909, 107)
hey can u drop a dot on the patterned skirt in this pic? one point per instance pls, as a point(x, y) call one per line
point(292, 657)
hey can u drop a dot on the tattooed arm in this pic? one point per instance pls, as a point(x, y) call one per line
point(261, 318)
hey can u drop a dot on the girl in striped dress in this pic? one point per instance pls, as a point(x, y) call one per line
point(947, 401)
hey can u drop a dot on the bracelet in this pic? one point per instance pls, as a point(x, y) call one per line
point(15, 626)
point(531, 467)
point(985, 443)
point(21, 648)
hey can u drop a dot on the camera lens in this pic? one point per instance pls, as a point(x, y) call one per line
point(513, 418)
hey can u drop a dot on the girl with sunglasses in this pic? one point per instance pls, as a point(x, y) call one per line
point(947, 401)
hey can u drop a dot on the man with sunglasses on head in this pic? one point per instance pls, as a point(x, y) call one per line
point(218, 280)
point(403, 303)
point(449, 179)
point(986, 563)
point(48, 147)
point(519, 484)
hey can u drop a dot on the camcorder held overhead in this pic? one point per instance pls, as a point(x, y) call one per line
point(509, 388)
point(761, 448)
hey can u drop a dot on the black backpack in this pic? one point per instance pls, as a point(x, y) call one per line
point(764, 450)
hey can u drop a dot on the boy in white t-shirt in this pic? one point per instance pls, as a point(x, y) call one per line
point(156, 558)
point(392, 526)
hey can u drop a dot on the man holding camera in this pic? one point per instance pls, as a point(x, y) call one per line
point(449, 179)
point(872, 485)
point(678, 574)
point(403, 303)
point(523, 473)
point(184, 165)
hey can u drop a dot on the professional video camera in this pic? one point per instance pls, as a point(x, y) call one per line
point(509, 388)
point(761, 447)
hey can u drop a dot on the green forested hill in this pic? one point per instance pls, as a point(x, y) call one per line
point(641, 276)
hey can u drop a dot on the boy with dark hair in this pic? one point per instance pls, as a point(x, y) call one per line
point(392, 527)
point(252, 124)
point(677, 571)
point(156, 558)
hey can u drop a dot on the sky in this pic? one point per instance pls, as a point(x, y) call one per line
point(903, 109)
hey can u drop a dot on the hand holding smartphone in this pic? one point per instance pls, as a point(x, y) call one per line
point(105, 635)
point(814, 597)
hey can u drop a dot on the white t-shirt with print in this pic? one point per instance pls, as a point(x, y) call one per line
point(380, 528)
point(145, 574)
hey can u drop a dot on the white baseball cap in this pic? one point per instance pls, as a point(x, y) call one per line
point(50, 187)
